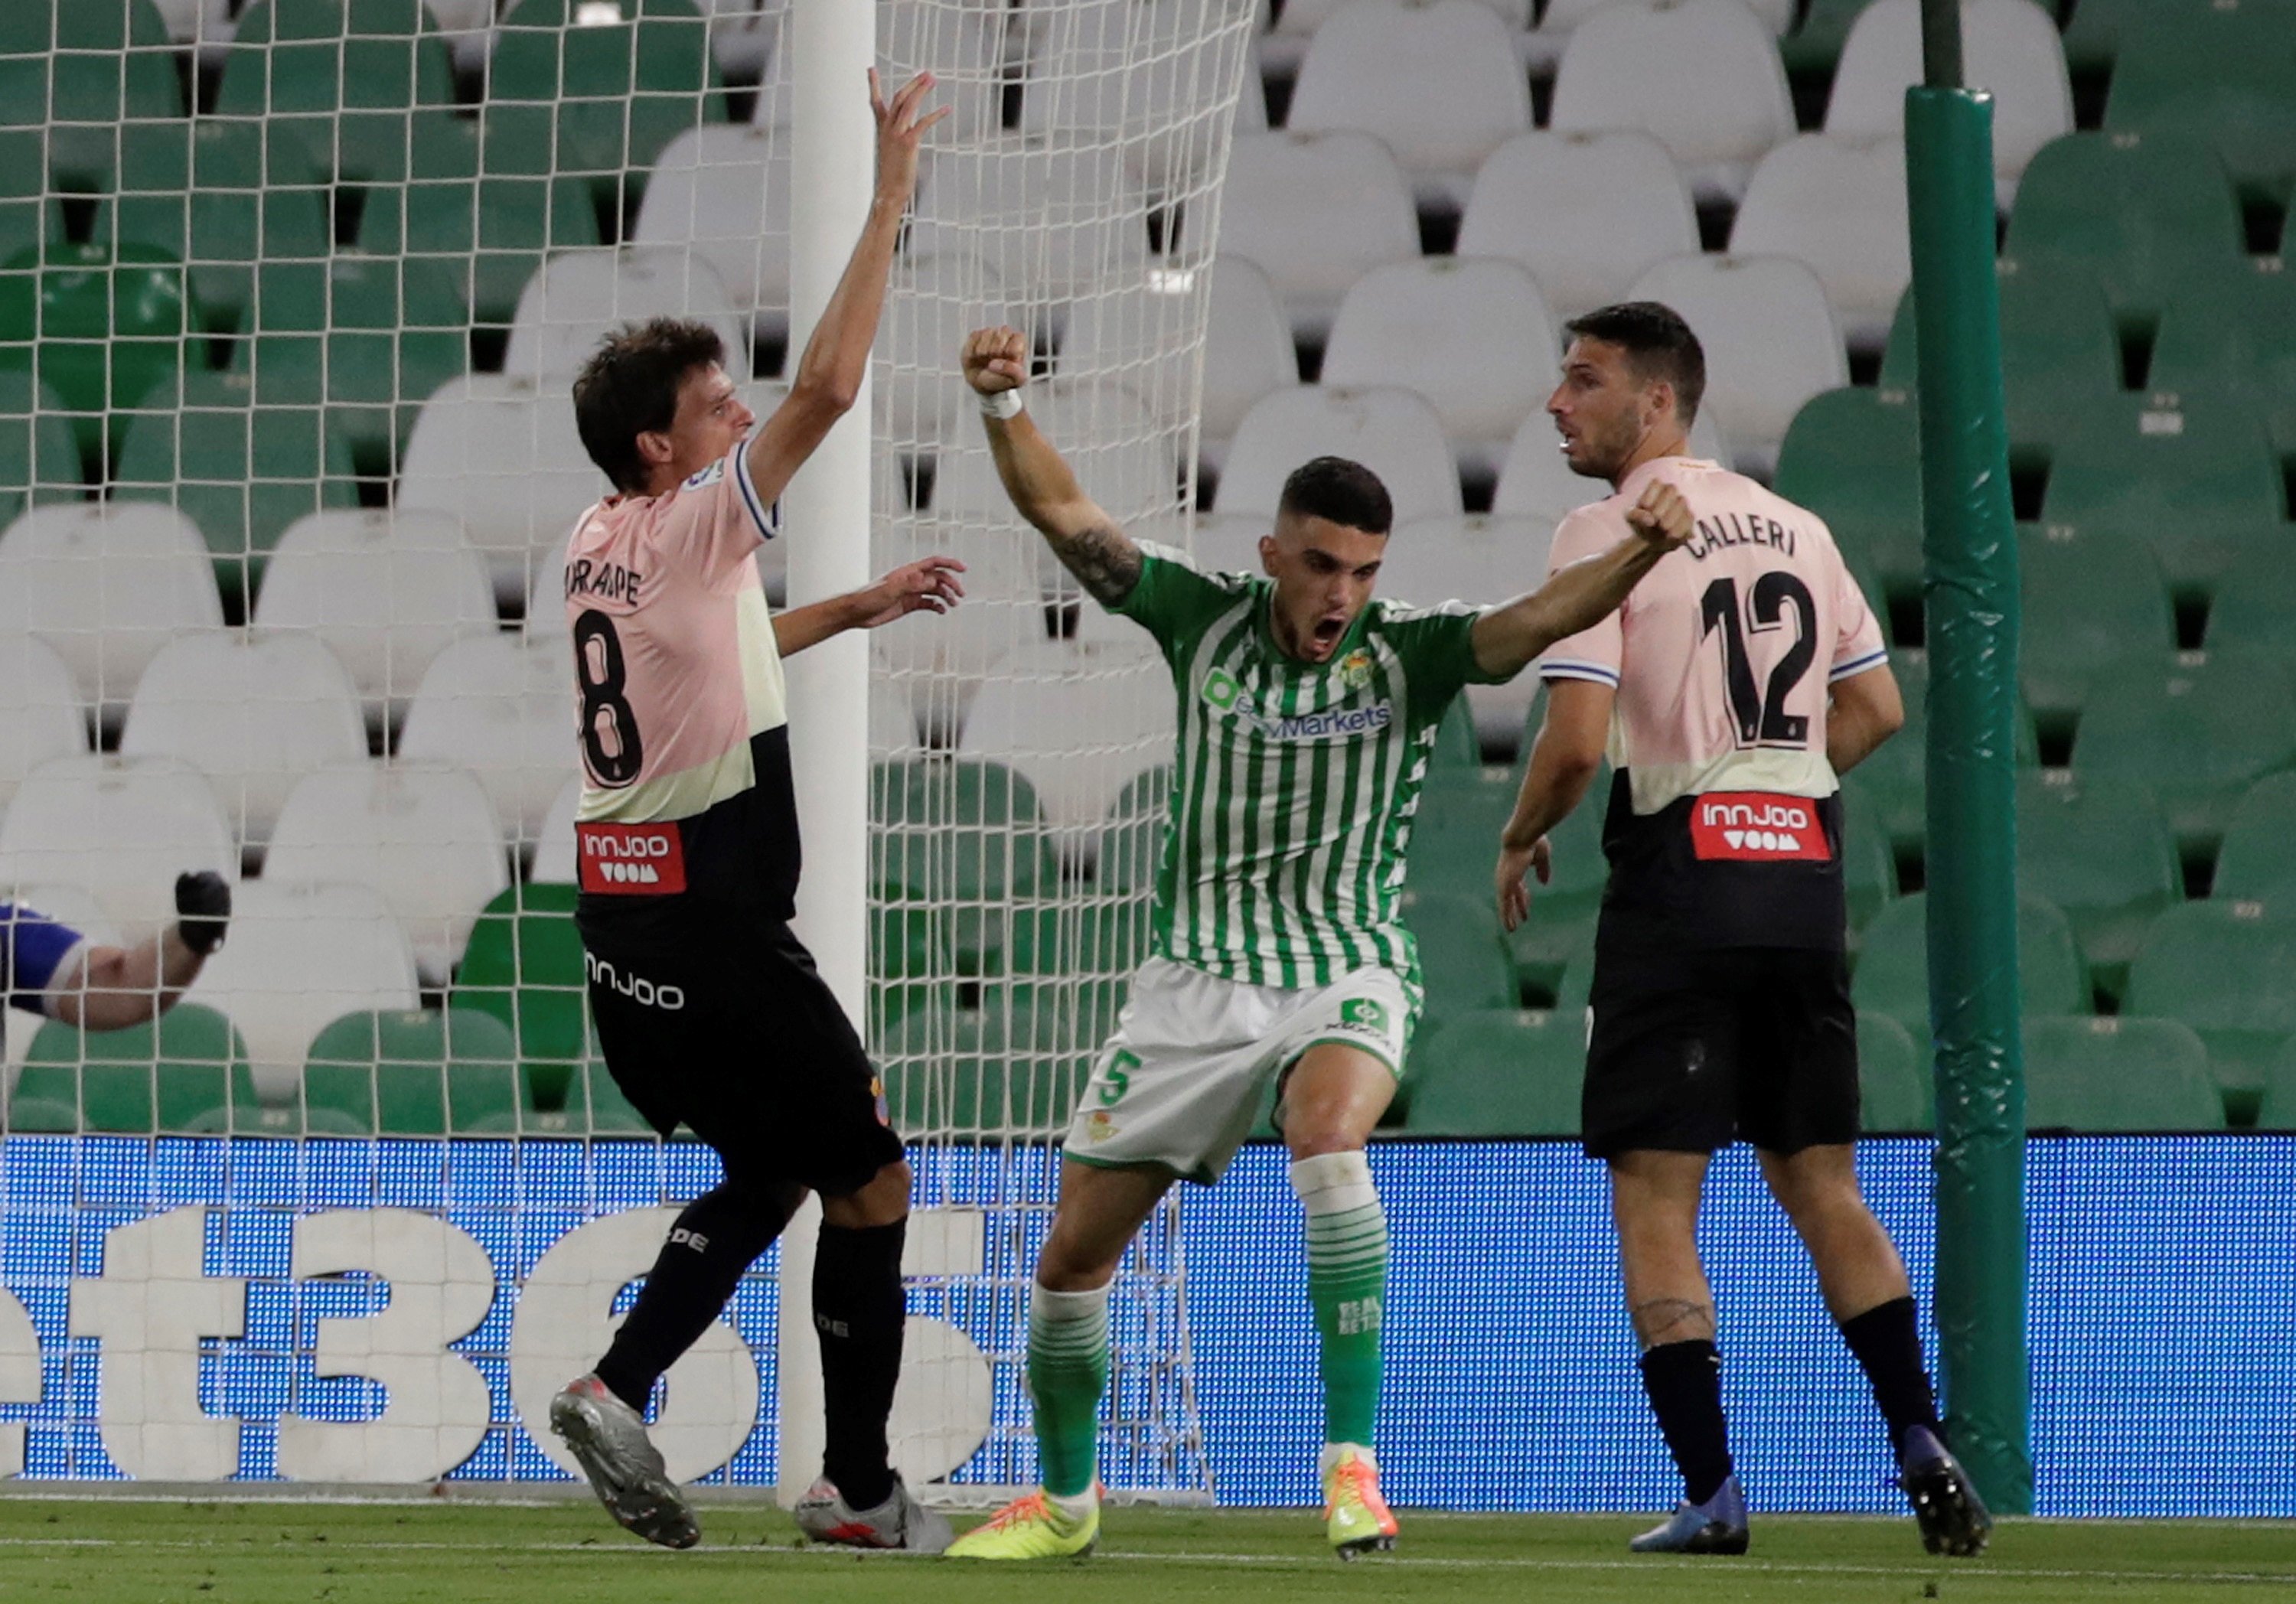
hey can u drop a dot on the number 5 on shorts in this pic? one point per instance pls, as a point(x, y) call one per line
point(1116, 1079)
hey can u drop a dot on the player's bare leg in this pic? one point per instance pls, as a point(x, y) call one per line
point(1866, 1289)
point(1331, 1101)
point(1101, 1210)
point(1654, 1198)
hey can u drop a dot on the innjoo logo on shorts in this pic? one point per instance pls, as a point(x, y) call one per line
point(1758, 827)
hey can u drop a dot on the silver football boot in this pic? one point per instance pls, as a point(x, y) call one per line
point(901, 1522)
point(625, 1468)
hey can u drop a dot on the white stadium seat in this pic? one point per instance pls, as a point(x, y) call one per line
point(41, 714)
point(1387, 428)
point(1474, 338)
point(1297, 26)
point(578, 297)
point(105, 585)
point(1050, 220)
point(554, 858)
point(917, 373)
point(965, 47)
point(1438, 83)
point(386, 590)
point(1770, 340)
point(421, 834)
point(1838, 209)
point(120, 828)
point(1483, 561)
point(893, 730)
point(301, 956)
point(1586, 214)
point(723, 192)
point(1701, 75)
point(1145, 72)
point(501, 456)
point(1124, 455)
point(1248, 350)
point(1536, 482)
point(2010, 47)
point(503, 707)
point(1007, 576)
point(1316, 212)
point(744, 35)
point(254, 713)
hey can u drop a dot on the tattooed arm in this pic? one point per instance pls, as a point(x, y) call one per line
point(1038, 479)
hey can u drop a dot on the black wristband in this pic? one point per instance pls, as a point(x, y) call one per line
point(203, 910)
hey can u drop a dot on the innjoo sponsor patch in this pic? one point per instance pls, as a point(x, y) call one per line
point(1758, 827)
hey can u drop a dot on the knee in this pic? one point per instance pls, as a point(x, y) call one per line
point(1318, 1139)
point(882, 1200)
point(1061, 1268)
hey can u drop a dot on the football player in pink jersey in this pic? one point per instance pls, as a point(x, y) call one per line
point(1737, 683)
point(710, 1012)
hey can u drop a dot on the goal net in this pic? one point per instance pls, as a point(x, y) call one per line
point(291, 292)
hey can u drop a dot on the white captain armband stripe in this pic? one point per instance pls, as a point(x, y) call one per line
point(1854, 666)
point(767, 519)
point(1567, 668)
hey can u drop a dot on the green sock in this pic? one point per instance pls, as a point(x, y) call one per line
point(1347, 1283)
point(1068, 1370)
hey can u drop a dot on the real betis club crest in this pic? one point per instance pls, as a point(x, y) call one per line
point(1365, 1013)
point(1355, 670)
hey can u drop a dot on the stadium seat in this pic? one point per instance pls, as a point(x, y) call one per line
point(2192, 474)
point(174, 1076)
point(1031, 716)
point(1838, 207)
point(1132, 836)
point(1703, 75)
point(1316, 212)
point(2093, 597)
point(609, 1113)
point(1586, 214)
point(1894, 1095)
point(240, 470)
point(1050, 221)
point(2256, 863)
point(2235, 336)
point(109, 329)
point(1473, 337)
point(503, 708)
point(1437, 83)
point(1561, 927)
point(524, 966)
point(502, 456)
point(918, 382)
point(1248, 350)
point(2198, 729)
point(254, 713)
point(385, 591)
point(962, 838)
point(2255, 598)
point(2009, 47)
point(2103, 856)
point(41, 716)
point(1770, 338)
point(299, 956)
point(1499, 1072)
point(1536, 482)
point(2224, 72)
point(2117, 1075)
point(81, 69)
point(554, 856)
point(2277, 1111)
point(580, 295)
point(722, 194)
point(2173, 217)
point(338, 75)
point(1143, 75)
point(1391, 432)
point(2224, 968)
point(120, 828)
point(1283, 46)
point(599, 94)
point(105, 585)
point(1852, 456)
point(1483, 560)
point(1869, 869)
point(1892, 976)
point(418, 1073)
point(39, 460)
point(1463, 952)
point(963, 1076)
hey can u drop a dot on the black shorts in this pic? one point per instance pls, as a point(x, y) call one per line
point(1692, 1048)
point(714, 1016)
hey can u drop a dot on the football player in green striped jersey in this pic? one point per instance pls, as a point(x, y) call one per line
point(1307, 713)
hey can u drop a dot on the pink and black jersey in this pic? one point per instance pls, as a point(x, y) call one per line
point(684, 725)
point(1725, 825)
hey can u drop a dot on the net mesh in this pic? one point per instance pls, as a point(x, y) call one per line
point(290, 293)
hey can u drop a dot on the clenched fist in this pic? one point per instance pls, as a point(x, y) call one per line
point(996, 360)
point(203, 910)
point(1661, 516)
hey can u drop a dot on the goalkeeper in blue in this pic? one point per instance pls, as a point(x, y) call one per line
point(51, 970)
point(1307, 714)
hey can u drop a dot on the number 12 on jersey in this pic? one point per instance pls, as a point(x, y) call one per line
point(1759, 715)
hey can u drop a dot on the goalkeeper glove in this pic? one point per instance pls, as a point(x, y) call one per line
point(203, 902)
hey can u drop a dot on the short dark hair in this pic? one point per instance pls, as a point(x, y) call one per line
point(630, 385)
point(1658, 343)
point(1344, 492)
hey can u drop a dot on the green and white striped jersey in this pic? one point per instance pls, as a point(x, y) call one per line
point(1295, 783)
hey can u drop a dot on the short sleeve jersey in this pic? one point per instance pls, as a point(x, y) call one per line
point(1725, 819)
point(683, 723)
point(1294, 783)
point(36, 955)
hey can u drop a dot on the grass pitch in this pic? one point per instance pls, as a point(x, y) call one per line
point(101, 1550)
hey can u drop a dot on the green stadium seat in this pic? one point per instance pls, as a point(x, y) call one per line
point(2111, 1075)
point(2277, 1111)
point(598, 99)
point(2228, 969)
point(79, 68)
point(1894, 781)
point(2235, 336)
point(911, 965)
point(2196, 729)
point(2092, 598)
point(610, 1112)
point(1455, 743)
point(39, 460)
point(1563, 912)
point(1892, 976)
point(396, 1065)
point(1893, 1081)
point(109, 331)
point(44, 1101)
point(182, 1074)
point(2194, 474)
point(1462, 954)
point(1499, 1072)
point(1455, 835)
point(1813, 49)
point(339, 76)
point(956, 1075)
point(2146, 211)
point(2256, 598)
point(1853, 458)
point(242, 471)
point(1131, 841)
point(964, 835)
point(2225, 73)
point(523, 965)
point(2258, 862)
point(1869, 868)
point(2057, 339)
point(2104, 857)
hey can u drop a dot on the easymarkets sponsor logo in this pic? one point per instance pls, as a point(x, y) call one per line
point(1223, 691)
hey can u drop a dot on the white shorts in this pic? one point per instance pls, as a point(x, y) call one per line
point(1193, 1057)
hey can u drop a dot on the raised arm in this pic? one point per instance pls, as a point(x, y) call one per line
point(1037, 478)
point(1508, 639)
point(120, 986)
point(836, 359)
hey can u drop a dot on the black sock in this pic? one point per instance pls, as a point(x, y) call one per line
point(719, 1235)
point(1888, 1343)
point(1684, 1380)
point(858, 1306)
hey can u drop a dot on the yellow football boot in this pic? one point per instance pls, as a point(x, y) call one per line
point(1355, 1517)
point(1033, 1528)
